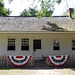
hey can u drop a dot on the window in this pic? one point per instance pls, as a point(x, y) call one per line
point(73, 44)
point(37, 44)
point(25, 44)
point(11, 44)
point(56, 45)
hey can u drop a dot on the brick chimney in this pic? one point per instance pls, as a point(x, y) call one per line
point(69, 12)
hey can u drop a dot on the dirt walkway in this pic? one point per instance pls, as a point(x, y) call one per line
point(64, 71)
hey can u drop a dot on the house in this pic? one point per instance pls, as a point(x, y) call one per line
point(35, 37)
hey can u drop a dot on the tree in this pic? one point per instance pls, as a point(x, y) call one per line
point(30, 12)
point(24, 13)
point(47, 8)
point(72, 14)
point(3, 10)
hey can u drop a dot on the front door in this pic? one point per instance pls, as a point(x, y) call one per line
point(37, 48)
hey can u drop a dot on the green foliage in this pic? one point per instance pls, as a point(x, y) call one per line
point(24, 13)
point(73, 13)
point(65, 13)
point(30, 12)
point(58, 1)
point(46, 8)
point(3, 10)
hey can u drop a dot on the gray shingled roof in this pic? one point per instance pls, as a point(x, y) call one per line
point(35, 24)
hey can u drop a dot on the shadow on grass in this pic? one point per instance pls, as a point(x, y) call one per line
point(37, 68)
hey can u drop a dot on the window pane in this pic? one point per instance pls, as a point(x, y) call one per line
point(56, 42)
point(11, 47)
point(56, 48)
point(25, 44)
point(56, 45)
point(24, 47)
point(37, 44)
point(73, 44)
point(11, 44)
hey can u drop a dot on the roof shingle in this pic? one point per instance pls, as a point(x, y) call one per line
point(35, 24)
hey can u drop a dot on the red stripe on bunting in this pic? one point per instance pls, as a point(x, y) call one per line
point(58, 56)
point(19, 56)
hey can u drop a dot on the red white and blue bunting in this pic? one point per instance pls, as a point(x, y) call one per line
point(58, 60)
point(19, 61)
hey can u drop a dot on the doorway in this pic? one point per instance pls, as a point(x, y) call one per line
point(37, 50)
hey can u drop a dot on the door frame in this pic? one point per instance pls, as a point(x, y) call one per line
point(34, 50)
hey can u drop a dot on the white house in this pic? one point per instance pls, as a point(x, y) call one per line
point(30, 36)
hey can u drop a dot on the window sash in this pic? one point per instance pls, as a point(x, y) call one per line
point(11, 44)
point(25, 44)
point(56, 45)
point(73, 44)
point(11, 47)
point(24, 47)
point(56, 48)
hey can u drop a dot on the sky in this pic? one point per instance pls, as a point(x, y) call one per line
point(63, 6)
point(17, 6)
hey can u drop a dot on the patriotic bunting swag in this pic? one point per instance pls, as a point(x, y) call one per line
point(19, 61)
point(58, 60)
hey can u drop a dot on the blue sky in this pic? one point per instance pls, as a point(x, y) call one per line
point(17, 6)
